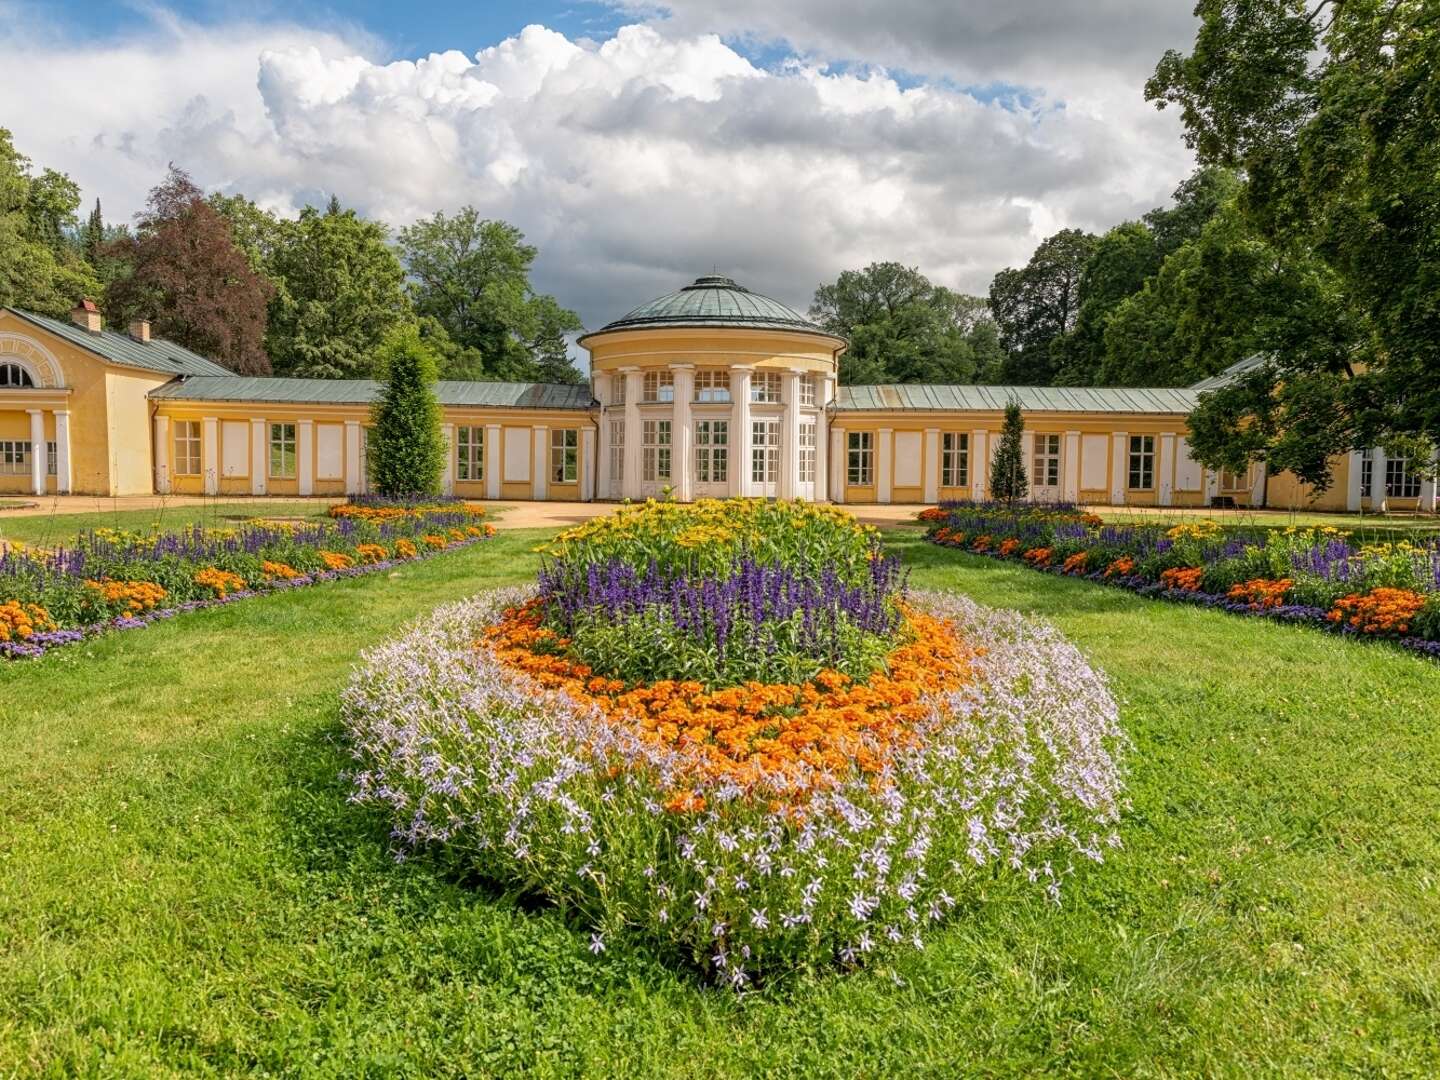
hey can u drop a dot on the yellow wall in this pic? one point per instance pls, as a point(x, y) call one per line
point(712, 348)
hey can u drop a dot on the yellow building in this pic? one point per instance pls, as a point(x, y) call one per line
point(711, 390)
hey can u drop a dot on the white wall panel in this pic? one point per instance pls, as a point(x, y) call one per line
point(329, 452)
point(235, 448)
point(1094, 473)
point(907, 458)
point(517, 455)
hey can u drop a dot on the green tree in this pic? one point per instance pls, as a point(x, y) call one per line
point(903, 328)
point(339, 294)
point(1331, 111)
point(257, 232)
point(406, 448)
point(40, 270)
point(472, 277)
point(1123, 260)
point(1007, 468)
point(1038, 303)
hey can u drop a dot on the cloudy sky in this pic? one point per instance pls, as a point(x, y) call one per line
point(636, 143)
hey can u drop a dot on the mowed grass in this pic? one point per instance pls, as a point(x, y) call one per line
point(55, 528)
point(1362, 525)
point(184, 889)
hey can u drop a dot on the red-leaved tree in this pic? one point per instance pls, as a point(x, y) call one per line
point(191, 280)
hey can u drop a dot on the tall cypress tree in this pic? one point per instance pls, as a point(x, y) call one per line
point(1007, 467)
point(407, 449)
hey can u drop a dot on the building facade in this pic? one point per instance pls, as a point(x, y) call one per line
point(711, 390)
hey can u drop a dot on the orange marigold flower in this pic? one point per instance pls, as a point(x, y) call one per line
point(1075, 564)
point(1261, 592)
point(222, 582)
point(19, 621)
point(1038, 556)
point(371, 553)
point(1122, 567)
point(335, 560)
point(1009, 547)
point(404, 549)
point(1184, 578)
point(278, 570)
point(1380, 611)
point(133, 596)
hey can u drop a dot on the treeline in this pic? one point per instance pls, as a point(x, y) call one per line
point(313, 296)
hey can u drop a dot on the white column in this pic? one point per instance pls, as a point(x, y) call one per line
point(162, 454)
point(64, 481)
point(540, 462)
point(259, 443)
point(932, 465)
point(1352, 481)
point(1167, 468)
point(682, 434)
point(447, 478)
point(1212, 486)
point(1027, 458)
point(600, 387)
point(492, 461)
point(1257, 491)
point(822, 440)
point(1427, 485)
point(211, 454)
point(587, 463)
point(1379, 493)
point(634, 383)
point(1119, 466)
point(790, 435)
point(740, 438)
point(38, 450)
point(837, 464)
point(354, 482)
point(884, 463)
point(979, 465)
point(1072, 466)
point(305, 453)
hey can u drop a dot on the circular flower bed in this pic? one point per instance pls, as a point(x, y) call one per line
point(810, 765)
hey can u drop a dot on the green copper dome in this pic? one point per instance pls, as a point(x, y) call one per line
point(714, 301)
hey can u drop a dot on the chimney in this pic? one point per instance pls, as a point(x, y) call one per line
point(86, 316)
point(140, 330)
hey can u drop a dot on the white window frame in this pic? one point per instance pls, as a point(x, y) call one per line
point(860, 458)
point(764, 451)
point(658, 388)
point(15, 376)
point(765, 388)
point(1367, 472)
point(712, 451)
point(712, 386)
point(617, 455)
point(14, 457)
point(807, 390)
point(469, 453)
point(655, 447)
point(807, 452)
point(1401, 481)
point(189, 448)
point(955, 459)
point(617, 387)
point(1045, 468)
point(564, 455)
point(285, 443)
point(1140, 463)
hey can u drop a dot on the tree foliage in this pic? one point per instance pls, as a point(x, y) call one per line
point(1332, 112)
point(340, 293)
point(407, 447)
point(471, 277)
point(40, 270)
point(1038, 303)
point(188, 276)
point(903, 328)
point(1008, 480)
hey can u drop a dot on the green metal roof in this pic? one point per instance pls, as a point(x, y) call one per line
point(155, 355)
point(1077, 399)
point(714, 301)
point(507, 395)
point(1231, 373)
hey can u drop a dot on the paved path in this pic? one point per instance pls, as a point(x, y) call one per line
point(523, 515)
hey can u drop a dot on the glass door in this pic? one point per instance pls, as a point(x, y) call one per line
point(765, 458)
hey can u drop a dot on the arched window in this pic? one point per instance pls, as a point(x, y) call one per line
point(14, 375)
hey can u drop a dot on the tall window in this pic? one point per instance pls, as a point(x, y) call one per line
point(14, 457)
point(469, 453)
point(1142, 462)
point(765, 387)
point(1046, 472)
point(807, 389)
point(1400, 481)
point(954, 460)
point(1234, 481)
point(282, 451)
point(617, 387)
point(860, 458)
point(617, 456)
point(187, 448)
point(564, 455)
point(52, 459)
point(659, 386)
point(712, 451)
point(1367, 473)
point(807, 453)
point(712, 385)
point(655, 450)
point(765, 451)
point(15, 375)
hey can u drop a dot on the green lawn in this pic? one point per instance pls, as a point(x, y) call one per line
point(183, 886)
point(60, 528)
point(1274, 519)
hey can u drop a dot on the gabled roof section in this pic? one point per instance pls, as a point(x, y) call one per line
point(157, 355)
point(1231, 373)
point(922, 397)
point(500, 395)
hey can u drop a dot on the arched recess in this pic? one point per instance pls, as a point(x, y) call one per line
point(34, 357)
